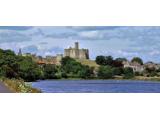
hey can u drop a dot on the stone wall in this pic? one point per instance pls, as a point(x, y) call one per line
point(76, 52)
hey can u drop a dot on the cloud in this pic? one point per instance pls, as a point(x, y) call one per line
point(30, 49)
point(92, 28)
point(15, 27)
point(62, 35)
point(117, 40)
point(12, 36)
point(43, 43)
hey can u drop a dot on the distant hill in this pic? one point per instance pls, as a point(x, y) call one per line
point(90, 63)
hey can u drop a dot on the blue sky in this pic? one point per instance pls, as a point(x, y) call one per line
point(124, 41)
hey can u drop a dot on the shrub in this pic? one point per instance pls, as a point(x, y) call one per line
point(128, 73)
point(105, 72)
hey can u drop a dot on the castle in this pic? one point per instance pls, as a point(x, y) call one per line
point(71, 52)
point(76, 52)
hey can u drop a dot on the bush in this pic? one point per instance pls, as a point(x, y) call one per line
point(105, 72)
point(118, 71)
point(128, 73)
point(50, 72)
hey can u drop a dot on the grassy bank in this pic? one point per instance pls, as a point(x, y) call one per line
point(138, 78)
point(147, 78)
point(114, 78)
point(19, 86)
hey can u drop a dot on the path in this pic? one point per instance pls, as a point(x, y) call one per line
point(4, 89)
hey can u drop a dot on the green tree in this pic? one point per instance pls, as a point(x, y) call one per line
point(128, 73)
point(109, 60)
point(29, 70)
point(104, 60)
point(118, 70)
point(8, 72)
point(85, 72)
point(105, 72)
point(100, 60)
point(151, 71)
point(72, 68)
point(50, 71)
point(121, 59)
point(138, 60)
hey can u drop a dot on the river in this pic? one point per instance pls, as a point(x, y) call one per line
point(97, 86)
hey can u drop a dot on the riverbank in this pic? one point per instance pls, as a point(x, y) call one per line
point(18, 86)
point(115, 78)
point(138, 78)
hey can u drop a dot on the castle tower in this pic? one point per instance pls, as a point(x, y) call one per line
point(76, 52)
point(76, 45)
point(20, 52)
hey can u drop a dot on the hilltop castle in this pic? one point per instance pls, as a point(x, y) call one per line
point(76, 52)
point(71, 52)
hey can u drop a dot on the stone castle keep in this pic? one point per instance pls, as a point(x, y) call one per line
point(76, 52)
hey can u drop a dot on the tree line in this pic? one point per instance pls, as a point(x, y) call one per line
point(110, 67)
point(24, 67)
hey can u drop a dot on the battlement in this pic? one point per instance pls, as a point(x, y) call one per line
point(76, 52)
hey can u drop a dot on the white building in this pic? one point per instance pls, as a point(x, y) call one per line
point(135, 66)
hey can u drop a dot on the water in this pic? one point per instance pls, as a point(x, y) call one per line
point(97, 86)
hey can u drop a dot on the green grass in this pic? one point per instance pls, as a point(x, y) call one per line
point(90, 63)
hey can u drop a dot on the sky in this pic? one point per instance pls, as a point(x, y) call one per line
point(117, 41)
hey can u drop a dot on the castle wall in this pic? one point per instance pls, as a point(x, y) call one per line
point(83, 54)
point(76, 52)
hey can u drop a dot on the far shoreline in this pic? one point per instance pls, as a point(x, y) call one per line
point(136, 78)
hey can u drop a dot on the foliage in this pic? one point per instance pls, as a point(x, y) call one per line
point(72, 68)
point(138, 60)
point(19, 86)
point(105, 72)
point(100, 60)
point(105, 67)
point(50, 71)
point(118, 70)
point(14, 66)
point(151, 71)
point(128, 73)
point(29, 70)
point(104, 60)
point(121, 59)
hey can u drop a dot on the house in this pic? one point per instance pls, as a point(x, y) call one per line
point(134, 65)
point(152, 65)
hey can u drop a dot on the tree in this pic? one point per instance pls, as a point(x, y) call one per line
point(104, 60)
point(109, 60)
point(121, 59)
point(50, 71)
point(86, 72)
point(128, 73)
point(29, 70)
point(8, 72)
point(151, 71)
point(100, 60)
point(118, 70)
point(72, 68)
point(117, 63)
point(105, 72)
point(138, 60)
